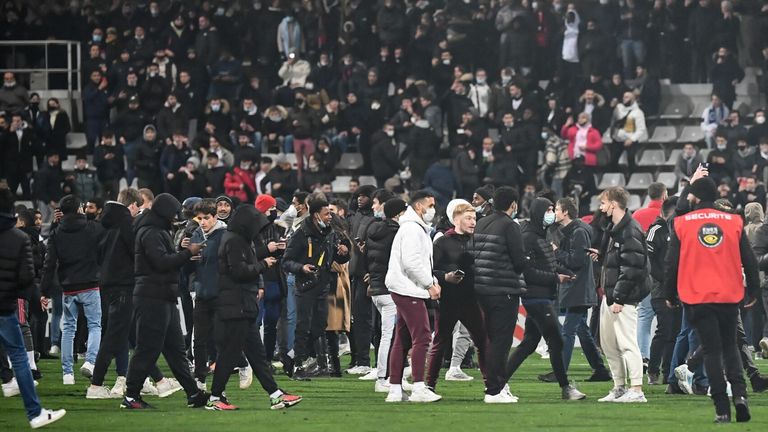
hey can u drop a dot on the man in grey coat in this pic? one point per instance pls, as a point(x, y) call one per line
point(579, 295)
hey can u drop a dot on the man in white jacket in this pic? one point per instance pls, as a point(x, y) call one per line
point(627, 130)
point(410, 282)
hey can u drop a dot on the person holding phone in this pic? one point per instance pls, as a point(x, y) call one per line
point(542, 277)
point(454, 270)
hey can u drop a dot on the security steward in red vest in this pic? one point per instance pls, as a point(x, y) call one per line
point(707, 251)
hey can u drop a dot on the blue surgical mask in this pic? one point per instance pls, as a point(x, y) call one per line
point(479, 209)
point(379, 214)
point(549, 219)
point(321, 224)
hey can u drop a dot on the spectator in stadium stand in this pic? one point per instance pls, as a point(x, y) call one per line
point(13, 96)
point(48, 185)
point(214, 172)
point(628, 131)
point(744, 159)
point(715, 115)
point(733, 129)
point(147, 162)
point(172, 159)
point(95, 107)
point(624, 278)
point(700, 35)
point(83, 180)
point(54, 127)
point(758, 130)
point(725, 73)
point(714, 313)
point(499, 264)
point(579, 183)
point(128, 127)
point(108, 157)
point(750, 192)
point(593, 103)
point(720, 160)
point(19, 147)
point(282, 179)
point(16, 274)
point(583, 139)
point(171, 117)
point(648, 90)
point(645, 216)
point(72, 259)
point(688, 161)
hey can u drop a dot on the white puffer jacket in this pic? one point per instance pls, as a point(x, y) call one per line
point(410, 262)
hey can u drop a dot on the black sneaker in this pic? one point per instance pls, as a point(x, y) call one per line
point(673, 389)
point(548, 377)
point(600, 375)
point(288, 365)
point(199, 400)
point(36, 375)
point(759, 383)
point(700, 390)
point(742, 409)
point(653, 378)
point(135, 404)
point(301, 374)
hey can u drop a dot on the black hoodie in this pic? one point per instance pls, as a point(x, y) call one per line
point(378, 246)
point(116, 248)
point(17, 269)
point(157, 264)
point(239, 269)
point(541, 273)
point(72, 250)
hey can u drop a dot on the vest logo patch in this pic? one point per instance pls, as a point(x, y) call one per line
point(710, 235)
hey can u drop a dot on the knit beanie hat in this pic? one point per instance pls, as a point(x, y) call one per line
point(704, 189)
point(264, 203)
point(394, 207)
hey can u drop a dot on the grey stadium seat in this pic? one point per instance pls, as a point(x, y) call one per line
point(676, 109)
point(634, 202)
point(341, 184)
point(76, 141)
point(640, 181)
point(663, 134)
point(367, 180)
point(691, 134)
point(611, 180)
point(652, 158)
point(669, 179)
point(672, 161)
point(594, 203)
point(350, 161)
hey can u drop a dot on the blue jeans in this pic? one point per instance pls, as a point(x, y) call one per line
point(91, 302)
point(269, 314)
point(290, 307)
point(13, 342)
point(686, 343)
point(576, 324)
point(632, 54)
point(645, 316)
point(130, 155)
point(58, 309)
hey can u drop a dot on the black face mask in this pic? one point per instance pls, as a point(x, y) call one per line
point(90, 216)
point(272, 215)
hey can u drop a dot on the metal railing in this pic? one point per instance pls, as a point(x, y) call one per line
point(72, 70)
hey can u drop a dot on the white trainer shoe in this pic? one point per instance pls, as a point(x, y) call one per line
point(632, 396)
point(358, 370)
point(118, 390)
point(373, 375)
point(614, 394)
point(148, 389)
point(402, 397)
point(46, 417)
point(201, 385)
point(87, 369)
point(684, 378)
point(167, 387)
point(381, 386)
point(54, 350)
point(424, 395)
point(11, 388)
point(509, 393)
point(456, 374)
point(407, 373)
point(406, 386)
point(501, 398)
point(69, 379)
point(246, 377)
point(99, 392)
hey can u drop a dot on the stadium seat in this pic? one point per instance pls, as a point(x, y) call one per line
point(634, 202)
point(493, 133)
point(691, 134)
point(76, 141)
point(652, 158)
point(704, 153)
point(669, 179)
point(607, 137)
point(646, 200)
point(677, 109)
point(698, 109)
point(594, 203)
point(672, 161)
point(640, 181)
point(611, 180)
point(341, 184)
point(663, 134)
point(68, 164)
point(367, 180)
point(291, 158)
point(350, 161)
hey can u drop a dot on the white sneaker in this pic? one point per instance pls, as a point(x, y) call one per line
point(69, 379)
point(632, 396)
point(118, 390)
point(54, 350)
point(46, 417)
point(344, 350)
point(148, 389)
point(167, 387)
point(684, 378)
point(359, 370)
point(456, 374)
point(407, 373)
point(406, 385)
point(381, 386)
point(373, 375)
point(246, 377)
point(201, 385)
point(614, 394)
point(87, 369)
point(509, 392)
point(543, 351)
point(11, 388)
point(424, 395)
point(501, 398)
point(100, 392)
point(402, 397)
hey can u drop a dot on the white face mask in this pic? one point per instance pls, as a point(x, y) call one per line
point(215, 108)
point(429, 216)
point(722, 146)
point(760, 119)
point(390, 133)
point(549, 219)
point(379, 214)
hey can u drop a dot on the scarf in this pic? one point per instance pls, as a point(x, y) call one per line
point(580, 142)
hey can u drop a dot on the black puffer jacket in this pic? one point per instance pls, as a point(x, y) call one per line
point(760, 246)
point(72, 251)
point(116, 253)
point(157, 263)
point(657, 242)
point(572, 254)
point(239, 270)
point(450, 254)
point(378, 246)
point(541, 273)
point(497, 248)
point(625, 269)
point(358, 224)
point(17, 270)
point(272, 233)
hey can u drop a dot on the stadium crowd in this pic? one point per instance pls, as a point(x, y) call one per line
point(482, 199)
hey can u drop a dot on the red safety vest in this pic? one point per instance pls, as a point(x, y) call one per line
point(710, 257)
